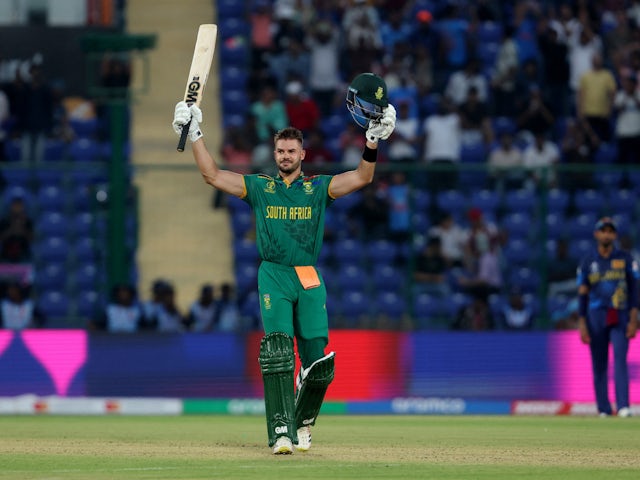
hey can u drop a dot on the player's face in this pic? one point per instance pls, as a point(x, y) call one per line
point(605, 236)
point(288, 155)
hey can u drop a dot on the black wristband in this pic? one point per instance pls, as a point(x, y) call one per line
point(370, 154)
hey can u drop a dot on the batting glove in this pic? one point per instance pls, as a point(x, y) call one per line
point(184, 114)
point(383, 128)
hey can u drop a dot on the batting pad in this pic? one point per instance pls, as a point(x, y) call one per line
point(277, 362)
point(312, 385)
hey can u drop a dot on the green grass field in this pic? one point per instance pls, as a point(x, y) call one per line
point(344, 447)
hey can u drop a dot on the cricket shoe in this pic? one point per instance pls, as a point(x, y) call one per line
point(624, 412)
point(304, 439)
point(283, 446)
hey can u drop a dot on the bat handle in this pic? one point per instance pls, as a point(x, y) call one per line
point(183, 136)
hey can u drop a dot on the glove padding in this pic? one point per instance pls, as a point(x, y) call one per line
point(383, 128)
point(185, 113)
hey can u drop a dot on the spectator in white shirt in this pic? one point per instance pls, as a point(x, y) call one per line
point(627, 106)
point(442, 145)
point(506, 164)
point(17, 310)
point(539, 158)
point(461, 81)
point(453, 239)
point(581, 52)
point(403, 141)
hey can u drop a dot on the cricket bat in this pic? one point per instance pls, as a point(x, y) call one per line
point(199, 71)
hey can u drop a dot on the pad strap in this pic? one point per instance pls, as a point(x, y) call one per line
point(312, 386)
point(277, 363)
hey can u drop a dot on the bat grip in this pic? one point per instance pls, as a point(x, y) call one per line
point(183, 136)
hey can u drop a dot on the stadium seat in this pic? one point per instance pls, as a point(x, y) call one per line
point(54, 304)
point(518, 252)
point(485, 200)
point(521, 200)
point(54, 150)
point(51, 224)
point(504, 125)
point(241, 223)
point(429, 104)
point(83, 224)
point(579, 248)
point(387, 278)
point(518, 225)
point(234, 51)
point(421, 200)
point(349, 251)
point(250, 307)
point(231, 8)
point(85, 249)
point(84, 128)
point(88, 304)
point(50, 249)
point(230, 27)
point(50, 176)
point(245, 251)
point(235, 102)
point(353, 305)
point(490, 32)
point(556, 225)
point(452, 201)
point(51, 197)
point(86, 277)
point(557, 200)
point(525, 279)
point(343, 204)
point(390, 304)
point(351, 277)
point(606, 154)
point(246, 275)
point(50, 276)
point(476, 154)
point(233, 78)
point(85, 150)
point(581, 226)
point(381, 252)
point(420, 222)
point(622, 201)
point(453, 305)
point(333, 126)
point(589, 201)
point(428, 311)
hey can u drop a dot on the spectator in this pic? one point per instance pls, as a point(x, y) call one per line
point(474, 316)
point(361, 33)
point(578, 146)
point(430, 271)
point(480, 236)
point(302, 111)
point(17, 310)
point(395, 29)
point(324, 69)
point(442, 145)
point(516, 315)
point(403, 146)
point(317, 154)
point(422, 70)
point(453, 42)
point(453, 239)
point(351, 143)
point(261, 21)
point(540, 159)
point(123, 313)
point(555, 71)
point(16, 232)
point(627, 107)
point(485, 273)
point(596, 91)
point(506, 165)
point(618, 40)
point(399, 210)
point(566, 25)
point(370, 216)
point(503, 80)
point(4, 118)
point(287, 27)
point(236, 150)
point(293, 63)
point(581, 52)
point(474, 120)
point(35, 120)
point(461, 82)
point(270, 114)
point(535, 116)
point(168, 318)
point(203, 311)
point(228, 318)
point(561, 273)
point(152, 305)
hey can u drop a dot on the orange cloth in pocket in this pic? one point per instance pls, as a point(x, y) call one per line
point(308, 276)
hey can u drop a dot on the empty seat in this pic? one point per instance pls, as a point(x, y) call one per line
point(589, 201)
point(50, 276)
point(54, 304)
point(390, 304)
point(51, 249)
point(51, 224)
point(522, 200)
point(382, 252)
point(245, 251)
point(557, 200)
point(525, 279)
point(518, 252)
point(518, 225)
point(351, 278)
point(353, 306)
point(387, 278)
point(348, 251)
point(451, 200)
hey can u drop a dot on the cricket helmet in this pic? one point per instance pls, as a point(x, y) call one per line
point(367, 98)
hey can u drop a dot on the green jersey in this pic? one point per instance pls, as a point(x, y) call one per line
point(289, 217)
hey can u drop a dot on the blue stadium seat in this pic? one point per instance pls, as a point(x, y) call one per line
point(88, 304)
point(421, 200)
point(54, 150)
point(50, 176)
point(84, 128)
point(250, 306)
point(232, 8)
point(487, 53)
point(85, 150)
point(86, 276)
point(50, 276)
point(525, 279)
point(518, 252)
point(622, 201)
point(580, 247)
point(390, 304)
point(235, 102)
point(234, 51)
point(607, 153)
point(343, 204)
point(241, 223)
point(522, 200)
point(245, 251)
point(387, 278)
point(233, 78)
point(556, 225)
point(452, 201)
point(85, 249)
point(235, 204)
point(50, 249)
point(233, 27)
point(246, 275)
point(485, 200)
point(420, 222)
point(427, 311)
point(51, 224)
point(83, 224)
point(473, 154)
point(353, 305)
point(381, 252)
point(54, 304)
point(490, 32)
point(557, 200)
point(333, 126)
point(454, 304)
point(589, 201)
point(504, 125)
point(581, 226)
point(429, 104)
point(351, 277)
point(51, 197)
point(518, 225)
point(348, 251)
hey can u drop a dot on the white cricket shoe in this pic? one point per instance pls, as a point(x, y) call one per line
point(304, 439)
point(624, 412)
point(283, 446)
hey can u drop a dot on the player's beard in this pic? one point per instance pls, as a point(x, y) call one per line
point(290, 168)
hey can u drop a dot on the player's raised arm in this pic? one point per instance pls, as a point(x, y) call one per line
point(229, 182)
point(367, 102)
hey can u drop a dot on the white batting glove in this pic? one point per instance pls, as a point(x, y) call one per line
point(383, 128)
point(185, 113)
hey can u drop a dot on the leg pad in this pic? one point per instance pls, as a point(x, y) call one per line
point(312, 385)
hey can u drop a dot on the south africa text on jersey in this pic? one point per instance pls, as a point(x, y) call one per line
point(288, 213)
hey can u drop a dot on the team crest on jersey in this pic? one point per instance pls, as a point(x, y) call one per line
point(266, 299)
point(617, 263)
point(308, 187)
point(270, 187)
